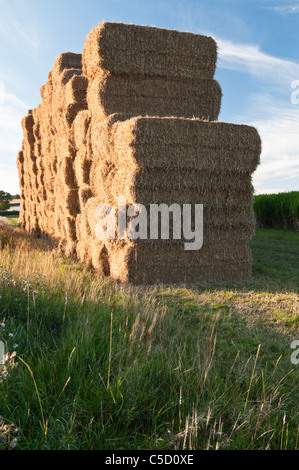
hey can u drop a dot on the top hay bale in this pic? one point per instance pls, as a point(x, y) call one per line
point(117, 48)
point(66, 61)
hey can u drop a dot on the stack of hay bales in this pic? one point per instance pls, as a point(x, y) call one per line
point(136, 71)
point(68, 100)
point(27, 167)
point(151, 97)
point(140, 123)
point(49, 186)
point(189, 162)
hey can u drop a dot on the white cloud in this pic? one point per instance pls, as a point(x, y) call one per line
point(12, 110)
point(249, 58)
point(287, 7)
point(9, 181)
point(280, 148)
point(275, 118)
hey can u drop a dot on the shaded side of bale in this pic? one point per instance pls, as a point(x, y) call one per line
point(20, 166)
point(50, 184)
point(69, 100)
point(28, 181)
point(83, 158)
point(147, 263)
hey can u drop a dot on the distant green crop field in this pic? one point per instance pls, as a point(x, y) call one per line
point(104, 366)
point(277, 210)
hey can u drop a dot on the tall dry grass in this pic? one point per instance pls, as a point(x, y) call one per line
point(105, 366)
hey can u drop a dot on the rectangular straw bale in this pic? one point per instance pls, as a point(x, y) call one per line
point(67, 199)
point(99, 258)
point(43, 91)
point(63, 144)
point(185, 143)
point(154, 96)
point(59, 227)
point(82, 166)
point(20, 163)
point(91, 210)
point(21, 219)
point(84, 194)
point(72, 111)
point(76, 89)
point(147, 263)
point(70, 228)
point(124, 49)
point(203, 195)
point(37, 119)
point(42, 194)
point(219, 224)
point(67, 173)
point(67, 248)
point(99, 151)
point(46, 146)
point(84, 253)
point(82, 228)
point(37, 148)
point(27, 126)
point(65, 78)
point(66, 60)
point(185, 180)
point(80, 128)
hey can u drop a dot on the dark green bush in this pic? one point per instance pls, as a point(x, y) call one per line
point(9, 214)
point(277, 210)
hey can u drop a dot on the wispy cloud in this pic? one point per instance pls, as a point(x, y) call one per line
point(271, 113)
point(285, 7)
point(20, 33)
point(249, 58)
point(278, 128)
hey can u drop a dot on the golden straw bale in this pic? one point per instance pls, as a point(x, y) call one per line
point(76, 89)
point(152, 96)
point(80, 129)
point(149, 263)
point(66, 60)
point(142, 50)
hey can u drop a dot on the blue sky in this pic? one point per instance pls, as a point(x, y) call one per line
point(258, 64)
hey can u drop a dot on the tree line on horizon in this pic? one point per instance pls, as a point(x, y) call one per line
point(5, 199)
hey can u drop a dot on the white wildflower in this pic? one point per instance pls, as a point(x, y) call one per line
point(13, 443)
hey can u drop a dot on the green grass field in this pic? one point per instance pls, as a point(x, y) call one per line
point(103, 366)
point(13, 220)
point(10, 219)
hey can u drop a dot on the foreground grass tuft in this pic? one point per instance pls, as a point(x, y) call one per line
point(102, 366)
